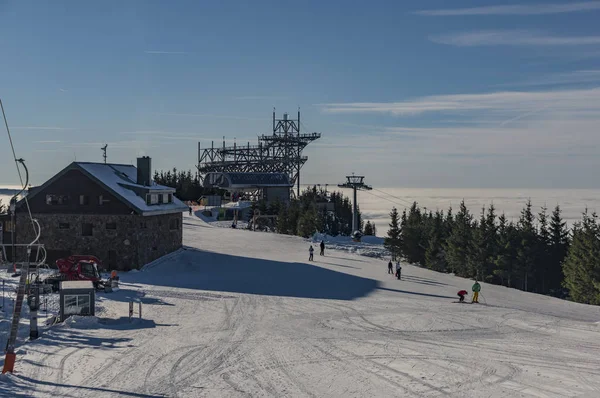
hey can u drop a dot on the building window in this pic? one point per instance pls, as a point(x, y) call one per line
point(63, 225)
point(56, 200)
point(160, 199)
point(84, 200)
point(170, 198)
point(77, 304)
point(174, 224)
point(143, 225)
point(166, 198)
point(102, 200)
point(111, 225)
point(87, 229)
point(151, 199)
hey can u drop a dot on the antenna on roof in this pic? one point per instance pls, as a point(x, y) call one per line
point(104, 152)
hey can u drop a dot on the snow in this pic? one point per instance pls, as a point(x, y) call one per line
point(121, 179)
point(238, 313)
point(76, 285)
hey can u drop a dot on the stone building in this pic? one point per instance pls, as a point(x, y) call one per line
point(112, 211)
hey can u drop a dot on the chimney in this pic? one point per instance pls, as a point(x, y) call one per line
point(144, 170)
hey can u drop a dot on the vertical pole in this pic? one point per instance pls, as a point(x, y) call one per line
point(140, 308)
point(354, 212)
point(33, 309)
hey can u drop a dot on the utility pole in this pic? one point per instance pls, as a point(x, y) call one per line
point(356, 183)
point(104, 152)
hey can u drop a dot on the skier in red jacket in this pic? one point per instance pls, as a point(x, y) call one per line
point(462, 295)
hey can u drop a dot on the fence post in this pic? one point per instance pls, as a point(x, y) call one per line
point(130, 310)
point(140, 308)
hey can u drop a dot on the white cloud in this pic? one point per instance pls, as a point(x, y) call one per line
point(504, 102)
point(516, 9)
point(512, 38)
point(579, 76)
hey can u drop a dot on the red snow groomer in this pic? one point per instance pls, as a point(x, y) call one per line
point(77, 268)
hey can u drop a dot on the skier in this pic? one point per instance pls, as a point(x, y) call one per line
point(310, 251)
point(398, 270)
point(322, 248)
point(476, 288)
point(462, 295)
point(390, 267)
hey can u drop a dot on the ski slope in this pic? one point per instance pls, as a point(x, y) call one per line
point(244, 314)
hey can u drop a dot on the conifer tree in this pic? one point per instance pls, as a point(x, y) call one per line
point(435, 257)
point(543, 252)
point(412, 236)
point(582, 264)
point(393, 240)
point(368, 229)
point(559, 244)
point(526, 254)
point(458, 242)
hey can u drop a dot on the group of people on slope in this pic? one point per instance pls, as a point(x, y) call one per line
point(311, 251)
point(476, 289)
point(398, 273)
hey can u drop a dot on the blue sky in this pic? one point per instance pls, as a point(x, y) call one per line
point(422, 94)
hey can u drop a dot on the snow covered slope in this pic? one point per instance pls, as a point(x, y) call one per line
point(243, 313)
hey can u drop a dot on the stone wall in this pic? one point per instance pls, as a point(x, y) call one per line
point(136, 241)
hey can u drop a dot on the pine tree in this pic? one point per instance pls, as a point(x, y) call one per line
point(559, 244)
point(3, 208)
point(582, 264)
point(506, 255)
point(368, 229)
point(393, 240)
point(307, 223)
point(526, 256)
point(412, 236)
point(543, 251)
point(435, 257)
point(283, 222)
point(483, 245)
point(458, 242)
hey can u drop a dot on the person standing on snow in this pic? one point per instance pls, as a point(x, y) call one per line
point(398, 270)
point(310, 251)
point(462, 295)
point(322, 248)
point(476, 288)
point(390, 267)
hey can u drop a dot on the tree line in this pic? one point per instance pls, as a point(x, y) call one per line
point(187, 185)
point(315, 210)
point(537, 253)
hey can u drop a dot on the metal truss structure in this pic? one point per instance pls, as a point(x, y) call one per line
point(279, 152)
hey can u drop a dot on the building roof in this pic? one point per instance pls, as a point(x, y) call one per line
point(121, 181)
point(246, 180)
point(76, 285)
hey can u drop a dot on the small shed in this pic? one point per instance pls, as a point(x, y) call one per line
point(77, 298)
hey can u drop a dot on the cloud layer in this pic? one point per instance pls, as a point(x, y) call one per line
point(516, 9)
point(512, 38)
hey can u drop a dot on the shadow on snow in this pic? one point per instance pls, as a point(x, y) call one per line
point(198, 269)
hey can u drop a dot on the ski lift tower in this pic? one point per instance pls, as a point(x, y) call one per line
point(355, 183)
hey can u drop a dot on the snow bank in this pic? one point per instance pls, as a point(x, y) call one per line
point(81, 322)
point(370, 246)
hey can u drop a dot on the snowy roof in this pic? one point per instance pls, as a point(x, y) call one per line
point(121, 180)
point(246, 180)
point(79, 285)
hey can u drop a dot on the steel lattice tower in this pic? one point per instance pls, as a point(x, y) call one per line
point(279, 152)
point(355, 183)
